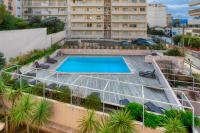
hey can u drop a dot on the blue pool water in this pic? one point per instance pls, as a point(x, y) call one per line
point(93, 64)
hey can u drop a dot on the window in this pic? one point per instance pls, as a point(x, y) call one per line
point(125, 9)
point(18, 7)
point(98, 17)
point(116, 9)
point(133, 25)
point(98, 9)
point(98, 25)
point(142, 1)
point(142, 9)
point(134, 9)
point(124, 25)
point(134, 1)
point(89, 24)
point(89, 17)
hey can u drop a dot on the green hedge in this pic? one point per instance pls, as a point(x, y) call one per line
point(174, 52)
point(189, 41)
point(153, 120)
point(93, 101)
point(34, 55)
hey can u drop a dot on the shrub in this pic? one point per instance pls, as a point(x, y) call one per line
point(177, 39)
point(189, 41)
point(158, 47)
point(93, 101)
point(38, 89)
point(174, 126)
point(184, 116)
point(62, 94)
point(136, 111)
point(2, 61)
point(152, 120)
point(20, 84)
point(7, 79)
point(174, 52)
point(34, 55)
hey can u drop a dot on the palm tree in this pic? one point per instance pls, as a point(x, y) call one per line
point(174, 126)
point(104, 126)
point(88, 124)
point(22, 112)
point(4, 108)
point(120, 122)
point(41, 113)
point(14, 95)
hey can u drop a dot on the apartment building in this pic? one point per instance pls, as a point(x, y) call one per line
point(156, 15)
point(14, 7)
point(109, 19)
point(195, 13)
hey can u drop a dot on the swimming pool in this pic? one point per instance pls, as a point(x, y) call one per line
point(93, 64)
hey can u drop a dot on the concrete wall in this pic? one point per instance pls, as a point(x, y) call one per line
point(16, 42)
point(178, 62)
point(166, 87)
point(67, 117)
point(105, 52)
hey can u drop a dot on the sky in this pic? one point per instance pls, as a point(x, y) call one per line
point(178, 8)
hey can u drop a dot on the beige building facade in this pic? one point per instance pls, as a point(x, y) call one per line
point(195, 13)
point(14, 7)
point(156, 15)
point(108, 19)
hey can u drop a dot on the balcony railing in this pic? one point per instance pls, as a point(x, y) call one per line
point(87, 4)
point(121, 3)
point(129, 12)
point(194, 12)
point(194, 2)
point(51, 4)
point(85, 20)
point(86, 28)
point(87, 12)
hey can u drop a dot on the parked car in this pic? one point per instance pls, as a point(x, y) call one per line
point(141, 41)
point(124, 43)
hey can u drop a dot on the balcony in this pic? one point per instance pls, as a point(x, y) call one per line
point(87, 36)
point(87, 28)
point(85, 20)
point(121, 4)
point(51, 4)
point(194, 22)
point(194, 2)
point(119, 20)
point(127, 29)
point(82, 4)
point(129, 12)
point(194, 12)
point(87, 12)
point(45, 14)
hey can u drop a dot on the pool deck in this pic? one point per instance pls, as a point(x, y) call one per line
point(122, 84)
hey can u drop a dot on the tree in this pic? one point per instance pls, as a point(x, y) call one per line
point(22, 112)
point(41, 113)
point(174, 126)
point(3, 13)
point(2, 61)
point(88, 124)
point(53, 24)
point(120, 122)
point(14, 96)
